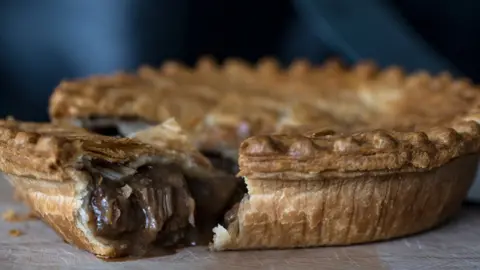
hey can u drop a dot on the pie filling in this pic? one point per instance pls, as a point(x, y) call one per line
point(157, 204)
point(128, 203)
point(143, 205)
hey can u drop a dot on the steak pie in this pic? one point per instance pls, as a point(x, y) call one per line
point(331, 155)
point(113, 196)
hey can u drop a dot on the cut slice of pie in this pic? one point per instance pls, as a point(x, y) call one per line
point(112, 196)
point(315, 190)
point(331, 155)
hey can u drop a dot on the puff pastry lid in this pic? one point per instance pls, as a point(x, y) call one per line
point(323, 153)
point(320, 120)
point(48, 151)
point(264, 97)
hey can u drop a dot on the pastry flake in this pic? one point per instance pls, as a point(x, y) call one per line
point(15, 233)
point(12, 216)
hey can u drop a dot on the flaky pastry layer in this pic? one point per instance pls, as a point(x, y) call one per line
point(280, 213)
point(46, 151)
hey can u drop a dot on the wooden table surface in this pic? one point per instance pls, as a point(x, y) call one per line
point(455, 245)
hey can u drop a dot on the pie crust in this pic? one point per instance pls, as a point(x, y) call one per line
point(331, 155)
point(336, 190)
point(57, 170)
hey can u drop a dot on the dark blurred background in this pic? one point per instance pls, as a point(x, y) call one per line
point(43, 42)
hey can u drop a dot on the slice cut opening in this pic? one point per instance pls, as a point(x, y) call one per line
point(221, 162)
point(136, 203)
point(112, 126)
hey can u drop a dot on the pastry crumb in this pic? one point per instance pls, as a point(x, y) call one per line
point(11, 216)
point(15, 233)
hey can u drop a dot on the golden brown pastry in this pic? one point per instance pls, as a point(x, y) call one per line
point(315, 190)
point(222, 105)
point(110, 196)
point(331, 155)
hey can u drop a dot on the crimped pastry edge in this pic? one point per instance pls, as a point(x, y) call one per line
point(377, 152)
point(69, 97)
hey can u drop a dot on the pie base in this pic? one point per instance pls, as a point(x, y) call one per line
point(287, 213)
